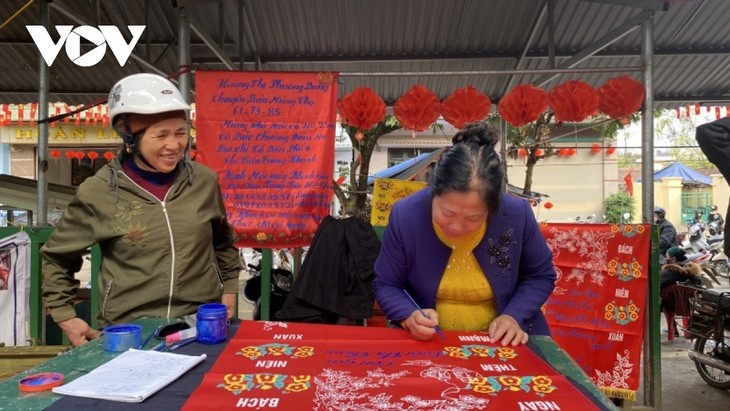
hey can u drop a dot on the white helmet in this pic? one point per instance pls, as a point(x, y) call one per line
point(144, 93)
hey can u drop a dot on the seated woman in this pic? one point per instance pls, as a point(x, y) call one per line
point(676, 269)
point(473, 257)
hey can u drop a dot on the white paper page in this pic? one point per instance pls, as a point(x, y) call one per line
point(132, 376)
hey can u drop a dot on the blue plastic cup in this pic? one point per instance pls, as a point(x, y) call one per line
point(121, 337)
point(212, 323)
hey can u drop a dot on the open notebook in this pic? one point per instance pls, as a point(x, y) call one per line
point(132, 376)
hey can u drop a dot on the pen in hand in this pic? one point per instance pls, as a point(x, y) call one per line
point(438, 330)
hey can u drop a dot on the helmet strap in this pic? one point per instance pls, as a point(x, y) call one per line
point(147, 163)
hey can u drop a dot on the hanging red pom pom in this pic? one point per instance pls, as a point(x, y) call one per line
point(55, 153)
point(417, 109)
point(620, 96)
point(523, 104)
point(548, 205)
point(79, 155)
point(522, 152)
point(465, 105)
point(93, 155)
point(538, 152)
point(70, 155)
point(563, 152)
point(573, 100)
point(595, 148)
point(109, 156)
point(610, 150)
point(571, 152)
point(362, 108)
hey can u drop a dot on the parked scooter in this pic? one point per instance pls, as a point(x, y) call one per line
point(709, 324)
point(703, 259)
point(719, 262)
point(281, 282)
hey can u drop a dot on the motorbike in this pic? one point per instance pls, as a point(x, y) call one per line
point(719, 262)
point(281, 282)
point(709, 325)
point(704, 260)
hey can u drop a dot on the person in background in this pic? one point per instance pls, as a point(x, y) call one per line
point(667, 232)
point(473, 257)
point(159, 219)
point(714, 141)
point(715, 222)
point(675, 269)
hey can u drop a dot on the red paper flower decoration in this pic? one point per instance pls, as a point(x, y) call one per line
point(610, 150)
point(55, 153)
point(573, 100)
point(563, 152)
point(93, 155)
point(108, 156)
point(70, 155)
point(523, 104)
point(595, 148)
point(465, 105)
point(548, 205)
point(417, 109)
point(79, 155)
point(522, 152)
point(539, 152)
point(620, 96)
point(362, 108)
point(571, 152)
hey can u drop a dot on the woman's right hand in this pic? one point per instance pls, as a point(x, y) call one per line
point(78, 331)
point(422, 327)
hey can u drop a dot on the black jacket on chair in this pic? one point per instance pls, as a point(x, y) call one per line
point(336, 276)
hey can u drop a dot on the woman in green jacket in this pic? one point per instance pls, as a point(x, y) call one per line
point(159, 219)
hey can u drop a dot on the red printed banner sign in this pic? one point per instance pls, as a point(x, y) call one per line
point(294, 366)
point(270, 136)
point(597, 310)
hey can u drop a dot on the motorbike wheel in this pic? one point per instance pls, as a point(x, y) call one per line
point(721, 268)
point(713, 376)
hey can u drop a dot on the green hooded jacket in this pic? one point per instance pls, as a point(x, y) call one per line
point(159, 258)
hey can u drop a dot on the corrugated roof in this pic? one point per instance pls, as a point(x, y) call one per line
point(385, 36)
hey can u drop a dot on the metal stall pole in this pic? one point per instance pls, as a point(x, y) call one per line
point(652, 348)
point(42, 154)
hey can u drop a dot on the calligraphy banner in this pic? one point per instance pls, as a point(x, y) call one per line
point(386, 191)
point(597, 310)
point(270, 137)
point(295, 366)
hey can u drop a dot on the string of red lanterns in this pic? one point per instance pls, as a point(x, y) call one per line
point(79, 155)
point(571, 101)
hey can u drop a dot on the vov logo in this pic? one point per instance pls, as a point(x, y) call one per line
point(71, 38)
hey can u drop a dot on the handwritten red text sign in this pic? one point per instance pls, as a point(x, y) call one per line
point(270, 136)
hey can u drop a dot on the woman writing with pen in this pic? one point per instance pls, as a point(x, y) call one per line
point(472, 257)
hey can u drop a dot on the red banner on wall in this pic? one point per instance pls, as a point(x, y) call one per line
point(597, 310)
point(270, 136)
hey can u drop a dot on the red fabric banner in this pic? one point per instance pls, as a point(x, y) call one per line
point(270, 136)
point(294, 366)
point(629, 181)
point(597, 310)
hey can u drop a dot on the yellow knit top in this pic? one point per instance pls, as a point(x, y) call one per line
point(464, 300)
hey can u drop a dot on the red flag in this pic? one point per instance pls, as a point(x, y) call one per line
point(629, 183)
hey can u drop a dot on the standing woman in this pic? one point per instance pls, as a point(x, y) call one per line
point(471, 256)
point(159, 219)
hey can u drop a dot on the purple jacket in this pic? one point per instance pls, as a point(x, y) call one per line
point(513, 255)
